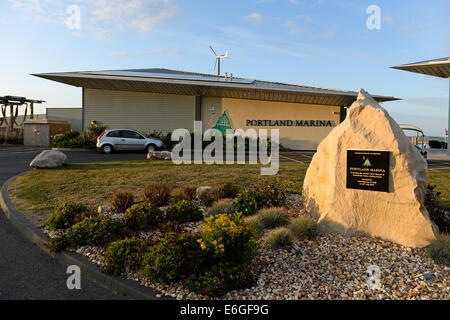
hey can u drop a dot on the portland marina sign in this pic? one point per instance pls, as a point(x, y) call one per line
point(290, 123)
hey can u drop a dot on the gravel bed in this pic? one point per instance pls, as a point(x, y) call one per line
point(331, 267)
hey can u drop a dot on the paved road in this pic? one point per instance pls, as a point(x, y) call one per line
point(440, 165)
point(433, 164)
point(26, 272)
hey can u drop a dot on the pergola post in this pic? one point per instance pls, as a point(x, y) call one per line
point(32, 110)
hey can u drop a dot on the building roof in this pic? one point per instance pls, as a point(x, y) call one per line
point(437, 67)
point(167, 81)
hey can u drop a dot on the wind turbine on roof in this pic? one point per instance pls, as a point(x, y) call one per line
point(218, 57)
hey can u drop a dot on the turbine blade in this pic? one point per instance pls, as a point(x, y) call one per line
point(213, 51)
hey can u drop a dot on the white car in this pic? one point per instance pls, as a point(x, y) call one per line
point(126, 139)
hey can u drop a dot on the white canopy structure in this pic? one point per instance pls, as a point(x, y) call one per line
point(436, 68)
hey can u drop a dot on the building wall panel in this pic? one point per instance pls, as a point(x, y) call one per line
point(139, 110)
point(71, 115)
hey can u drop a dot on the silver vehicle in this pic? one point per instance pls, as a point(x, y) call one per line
point(417, 138)
point(126, 139)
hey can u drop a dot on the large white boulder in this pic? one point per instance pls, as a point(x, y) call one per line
point(398, 215)
point(49, 159)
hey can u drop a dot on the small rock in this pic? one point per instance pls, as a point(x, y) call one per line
point(159, 155)
point(104, 210)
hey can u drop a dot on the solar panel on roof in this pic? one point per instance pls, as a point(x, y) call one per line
point(181, 76)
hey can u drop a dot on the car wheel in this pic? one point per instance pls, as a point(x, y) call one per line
point(107, 148)
point(150, 148)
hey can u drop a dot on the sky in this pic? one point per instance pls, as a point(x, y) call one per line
point(342, 45)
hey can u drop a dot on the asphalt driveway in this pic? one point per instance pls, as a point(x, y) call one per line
point(26, 272)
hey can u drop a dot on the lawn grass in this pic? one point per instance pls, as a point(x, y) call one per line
point(37, 192)
point(442, 182)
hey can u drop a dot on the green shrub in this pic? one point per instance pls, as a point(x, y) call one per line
point(439, 250)
point(229, 239)
point(438, 215)
point(173, 258)
point(95, 130)
point(157, 193)
point(279, 238)
point(273, 217)
point(86, 141)
point(304, 228)
point(66, 140)
point(125, 255)
point(184, 211)
point(185, 193)
point(248, 202)
point(270, 192)
point(166, 138)
point(206, 198)
point(229, 190)
point(93, 231)
point(121, 201)
point(221, 206)
point(221, 279)
point(209, 197)
point(229, 246)
point(143, 216)
point(66, 215)
point(58, 243)
point(74, 139)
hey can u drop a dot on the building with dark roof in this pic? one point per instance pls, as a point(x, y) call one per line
point(164, 100)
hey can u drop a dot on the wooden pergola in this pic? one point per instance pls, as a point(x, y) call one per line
point(15, 103)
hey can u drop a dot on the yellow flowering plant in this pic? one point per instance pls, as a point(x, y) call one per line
point(229, 238)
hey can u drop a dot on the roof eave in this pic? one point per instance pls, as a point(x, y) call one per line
point(68, 78)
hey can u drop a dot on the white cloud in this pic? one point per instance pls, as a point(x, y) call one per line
point(254, 17)
point(298, 25)
point(101, 17)
point(159, 52)
point(389, 20)
point(329, 34)
point(139, 15)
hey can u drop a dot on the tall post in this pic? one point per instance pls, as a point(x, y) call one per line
point(218, 66)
